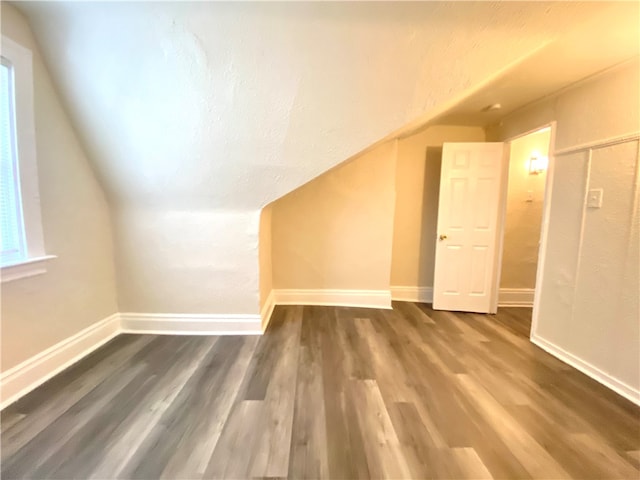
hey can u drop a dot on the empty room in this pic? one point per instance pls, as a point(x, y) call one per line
point(328, 240)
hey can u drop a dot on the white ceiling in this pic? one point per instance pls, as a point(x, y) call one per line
point(231, 105)
point(610, 38)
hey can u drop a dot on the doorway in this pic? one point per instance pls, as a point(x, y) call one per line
point(527, 187)
point(493, 204)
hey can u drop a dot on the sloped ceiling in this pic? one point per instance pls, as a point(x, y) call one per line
point(612, 37)
point(231, 105)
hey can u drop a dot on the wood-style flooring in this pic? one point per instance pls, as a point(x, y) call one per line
point(327, 392)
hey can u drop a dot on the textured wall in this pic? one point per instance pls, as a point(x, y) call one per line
point(417, 190)
point(176, 261)
point(336, 231)
point(79, 286)
point(589, 296)
point(524, 216)
point(232, 105)
point(197, 114)
point(265, 255)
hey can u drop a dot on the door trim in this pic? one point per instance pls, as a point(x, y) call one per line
point(546, 214)
point(502, 217)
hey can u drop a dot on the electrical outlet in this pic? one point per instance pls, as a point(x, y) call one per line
point(594, 198)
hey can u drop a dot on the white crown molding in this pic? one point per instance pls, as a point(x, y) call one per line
point(33, 372)
point(190, 324)
point(516, 297)
point(337, 298)
point(412, 294)
point(585, 367)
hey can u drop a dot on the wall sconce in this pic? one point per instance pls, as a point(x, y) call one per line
point(537, 163)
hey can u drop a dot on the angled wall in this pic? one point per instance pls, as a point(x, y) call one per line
point(335, 233)
point(366, 227)
point(198, 114)
point(78, 288)
point(187, 260)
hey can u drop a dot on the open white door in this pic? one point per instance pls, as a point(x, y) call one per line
point(469, 227)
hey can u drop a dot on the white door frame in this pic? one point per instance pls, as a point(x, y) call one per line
point(546, 214)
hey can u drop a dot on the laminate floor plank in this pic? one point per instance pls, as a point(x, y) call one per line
point(99, 445)
point(167, 382)
point(326, 392)
point(468, 428)
point(345, 446)
point(381, 444)
point(354, 347)
point(573, 447)
point(620, 431)
point(194, 450)
point(68, 429)
point(266, 355)
point(236, 436)
point(308, 457)
point(45, 404)
point(270, 459)
point(529, 453)
point(44, 445)
point(402, 384)
point(188, 417)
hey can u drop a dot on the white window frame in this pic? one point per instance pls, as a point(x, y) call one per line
point(35, 259)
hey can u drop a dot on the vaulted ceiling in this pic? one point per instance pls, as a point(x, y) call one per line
point(231, 105)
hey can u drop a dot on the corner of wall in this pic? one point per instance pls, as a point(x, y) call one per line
point(266, 265)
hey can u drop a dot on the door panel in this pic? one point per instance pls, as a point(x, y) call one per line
point(469, 223)
point(459, 199)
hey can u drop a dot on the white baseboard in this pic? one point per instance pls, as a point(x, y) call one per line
point(507, 297)
point(516, 297)
point(412, 294)
point(267, 311)
point(337, 298)
point(190, 324)
point(33, 372)
point(598, 375)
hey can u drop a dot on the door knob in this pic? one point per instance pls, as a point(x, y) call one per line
point(443, 237)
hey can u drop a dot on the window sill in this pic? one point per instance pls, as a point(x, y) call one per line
point(26, 268)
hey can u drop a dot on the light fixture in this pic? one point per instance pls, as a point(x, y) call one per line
point(492, 108)
point(537, 163)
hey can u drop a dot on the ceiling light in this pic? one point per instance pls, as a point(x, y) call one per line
point(492, 108)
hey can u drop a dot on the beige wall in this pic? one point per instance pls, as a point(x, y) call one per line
point(264, 256)
point(417, 189)
point(336, 231)
point(188, 169)
point(187, 260)
point(525, 199)
point(589, 294)
point(79, 286)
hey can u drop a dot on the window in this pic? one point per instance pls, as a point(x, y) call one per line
point(21, 241)
point(12, 249)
